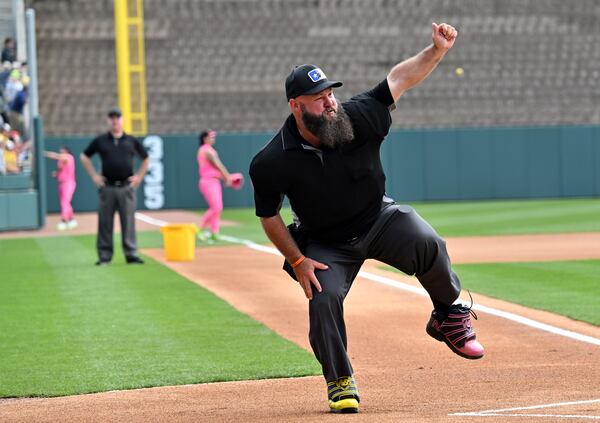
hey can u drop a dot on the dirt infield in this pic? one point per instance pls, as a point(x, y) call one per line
point(403, 374)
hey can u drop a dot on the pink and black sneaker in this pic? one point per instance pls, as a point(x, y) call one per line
point(456, 331)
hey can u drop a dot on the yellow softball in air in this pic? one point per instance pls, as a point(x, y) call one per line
point(459, 71)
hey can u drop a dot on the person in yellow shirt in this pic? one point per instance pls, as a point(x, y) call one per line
point(8, 150)
point(10, 157)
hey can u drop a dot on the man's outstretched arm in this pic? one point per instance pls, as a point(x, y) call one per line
point(411, 72)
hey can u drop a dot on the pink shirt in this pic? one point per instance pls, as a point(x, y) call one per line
point(66, 170)
point(205, 168)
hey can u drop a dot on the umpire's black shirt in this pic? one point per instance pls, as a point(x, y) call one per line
point(116, 154)
point(335, 193)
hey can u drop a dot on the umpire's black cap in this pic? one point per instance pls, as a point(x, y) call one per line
point(114, 112)
point(307, 79)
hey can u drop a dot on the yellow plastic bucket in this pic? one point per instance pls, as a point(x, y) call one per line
point(179, 241)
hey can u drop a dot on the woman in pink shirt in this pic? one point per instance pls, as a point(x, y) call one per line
point(65, 177)
point(211, 172)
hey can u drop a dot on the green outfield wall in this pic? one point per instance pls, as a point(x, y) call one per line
point(421, 165)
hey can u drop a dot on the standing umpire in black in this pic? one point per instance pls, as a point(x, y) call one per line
point(116, 186)
point(325, 159)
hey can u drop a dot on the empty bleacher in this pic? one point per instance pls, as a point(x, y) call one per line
point(222, 63)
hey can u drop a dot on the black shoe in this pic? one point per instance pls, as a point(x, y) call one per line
point(102, 262)
point(134, 260)
point(343, 395)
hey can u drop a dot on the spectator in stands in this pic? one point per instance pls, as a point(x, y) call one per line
point(211, 171)
point(10, 157)
point(3, 140)
point(9, 52)
point(65, 178)
point(4, 75)
point(16, 109)
point(12, 146)
point(13, 86)
point(116, 186)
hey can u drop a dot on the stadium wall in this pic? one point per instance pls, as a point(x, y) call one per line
point(421, 165)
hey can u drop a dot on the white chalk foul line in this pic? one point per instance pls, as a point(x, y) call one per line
point(420, 291)
point(150, 220)
point(506, 411)
point(489, 310)
point(560, 416)
point(250, 244)
point(413, 289)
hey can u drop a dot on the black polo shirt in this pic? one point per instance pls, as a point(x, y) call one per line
point(117, 155)
point(335, 193)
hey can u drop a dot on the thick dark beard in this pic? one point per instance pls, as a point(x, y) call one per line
point(331, 132)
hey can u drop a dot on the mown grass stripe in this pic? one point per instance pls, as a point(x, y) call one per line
point(569, 288)
point(76, 328)
point(512, 217)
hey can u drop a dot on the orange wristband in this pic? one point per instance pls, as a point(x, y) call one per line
point(298, 262)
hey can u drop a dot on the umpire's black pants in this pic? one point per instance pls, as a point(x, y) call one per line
point(113, 199)
point(399, 238)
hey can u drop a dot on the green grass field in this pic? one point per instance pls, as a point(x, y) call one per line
point(569, 288)
point(512, 217)
point(69, 327)
point(470, 218)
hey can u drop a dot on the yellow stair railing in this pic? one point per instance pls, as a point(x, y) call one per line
point(131, 65)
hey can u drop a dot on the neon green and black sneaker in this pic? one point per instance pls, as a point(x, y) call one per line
point(203, 235)
point(343, 395)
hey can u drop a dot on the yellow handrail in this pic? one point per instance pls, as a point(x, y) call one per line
point(131, 65)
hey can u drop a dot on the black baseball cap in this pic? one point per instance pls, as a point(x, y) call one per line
point(307, 79)
point(114, 112)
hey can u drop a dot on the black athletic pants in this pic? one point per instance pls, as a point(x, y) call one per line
point(113, 199)
point(399, 238)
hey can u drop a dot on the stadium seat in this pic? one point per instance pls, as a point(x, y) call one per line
point(222, 63)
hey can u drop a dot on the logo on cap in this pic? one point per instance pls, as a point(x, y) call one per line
point(316, 75)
